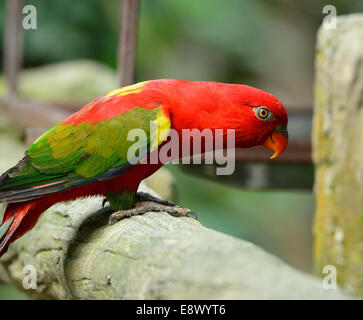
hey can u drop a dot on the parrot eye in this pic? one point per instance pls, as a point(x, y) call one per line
point(263, 113)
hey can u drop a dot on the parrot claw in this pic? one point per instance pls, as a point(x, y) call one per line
point(104, 202)
point(150, 206)
point(146, 197)
point(193, 214)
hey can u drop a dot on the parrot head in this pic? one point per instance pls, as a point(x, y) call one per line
point(257, 117)
point(263, 119)
point(269, 118)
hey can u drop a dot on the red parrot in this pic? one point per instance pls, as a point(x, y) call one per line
point(86, 154)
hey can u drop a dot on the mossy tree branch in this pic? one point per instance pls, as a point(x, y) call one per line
point(77, 255)
point(338, 151)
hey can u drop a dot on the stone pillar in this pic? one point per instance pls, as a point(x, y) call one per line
point(338, 151)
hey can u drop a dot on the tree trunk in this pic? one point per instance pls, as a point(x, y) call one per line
point(77, 255)
point(338, 151)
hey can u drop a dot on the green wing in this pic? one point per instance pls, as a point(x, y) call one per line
point(71, 155)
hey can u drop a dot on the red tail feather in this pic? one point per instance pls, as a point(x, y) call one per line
point(14, 215)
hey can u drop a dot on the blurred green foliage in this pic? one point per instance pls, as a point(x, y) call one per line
point(264, 43)
point(11, 293)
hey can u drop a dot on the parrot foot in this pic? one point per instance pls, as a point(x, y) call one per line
point(147, 206)
point(147, 197)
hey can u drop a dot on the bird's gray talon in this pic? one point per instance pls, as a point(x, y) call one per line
point(193, 214)
point(146, 197)
point(112, 220)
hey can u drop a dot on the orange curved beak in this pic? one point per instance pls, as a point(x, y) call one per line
point(277, 141)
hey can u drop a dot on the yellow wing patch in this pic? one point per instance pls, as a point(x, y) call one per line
point(134, 88)
point(162, 129)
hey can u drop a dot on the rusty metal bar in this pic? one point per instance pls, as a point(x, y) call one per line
point(127, 42)
point(13, 44)
point(33, 113)
point(297, 151)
